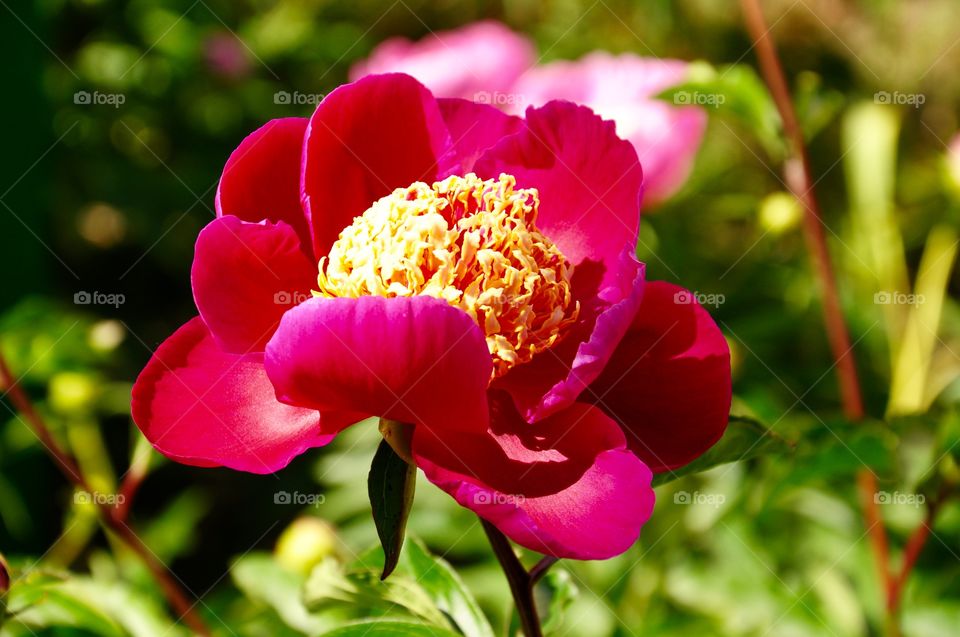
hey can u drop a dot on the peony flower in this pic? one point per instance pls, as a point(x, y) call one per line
point(621, 88)
point(440, 263)
point(497, 57)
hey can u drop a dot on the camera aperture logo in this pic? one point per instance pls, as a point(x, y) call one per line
point(711, 499)
point(299, 499)
point(98, 298)
point(96, 98)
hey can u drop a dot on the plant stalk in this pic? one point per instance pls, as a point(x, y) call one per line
point(521, 582)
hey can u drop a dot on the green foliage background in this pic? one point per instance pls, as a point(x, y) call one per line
point(97, 198)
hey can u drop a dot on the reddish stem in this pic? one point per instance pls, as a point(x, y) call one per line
point(913, 548)
point(68, 466)
point(797, 175)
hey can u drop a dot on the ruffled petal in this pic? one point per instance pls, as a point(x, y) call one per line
point(588, 178)
point(365, 140)
point(623, 88)
point(245, 276)
point(567, 486)
point(261, 179)
point(474, 128)
point(200, 406)
point(668, 383)
point(554, 378)
point(412, 359)
point(478, 62)
point(589, 182)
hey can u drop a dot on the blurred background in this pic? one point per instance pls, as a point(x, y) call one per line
point(105, 194)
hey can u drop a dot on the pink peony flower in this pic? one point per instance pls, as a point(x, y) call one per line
point(621, 88)
point(477, 280)
point(475, 62)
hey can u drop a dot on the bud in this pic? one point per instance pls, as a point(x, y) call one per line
point(304, 544)
point(72, 392)
point(779, 212)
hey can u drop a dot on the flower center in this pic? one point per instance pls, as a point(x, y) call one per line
point(470, 242)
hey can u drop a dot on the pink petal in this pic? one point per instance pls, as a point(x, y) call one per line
point(566, 486)
point(589, 181)
point(554, 378)
point(245, 276)
point(412, 359)
point(668, 383)
point(365, 140)
point(474, 128)
point(261, 179)
point(623, 88)
point(477, 62)
point(200, 406)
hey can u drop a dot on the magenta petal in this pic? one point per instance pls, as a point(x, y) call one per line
point(200, 406)
point(589, 181)
point(261, 179)
point(668, 383)
point(474, 128)
point(623, 88)
point(478, 62)
point(365, 140)
point(245, 276)
point(566, 486)
point(554, 378)
point(413, 359)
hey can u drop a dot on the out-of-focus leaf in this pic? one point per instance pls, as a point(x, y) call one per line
point(44, 603)
point(261, 578)
point(389, 629)
point(174, 530)
point(560, 591)
point(744, 439)
point(391, 486)
point(816, 106)
point(446, 589)
point(737, 92)
point(362, 592)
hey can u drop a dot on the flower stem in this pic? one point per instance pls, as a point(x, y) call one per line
point(797, 175)
point(175, 595)
point(521, 582)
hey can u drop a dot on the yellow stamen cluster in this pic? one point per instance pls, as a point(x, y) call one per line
point(471, 242)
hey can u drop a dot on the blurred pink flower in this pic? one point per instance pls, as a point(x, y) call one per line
point(226, 56)
point(502, 72)
point(473, 62)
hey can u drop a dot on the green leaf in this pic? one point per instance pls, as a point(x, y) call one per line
point(390, 485)
point(446, 589)
point(389, 629)
point(363, 593)
point(744, 439)
point(561, 592)
point(261, 578)
point(735, 92)
point(45, 603)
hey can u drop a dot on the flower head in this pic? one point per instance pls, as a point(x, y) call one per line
point(440, 263)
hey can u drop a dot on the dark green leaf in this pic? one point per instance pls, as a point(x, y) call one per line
point(390, 485)
point(389, 629)
point(744, 438)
